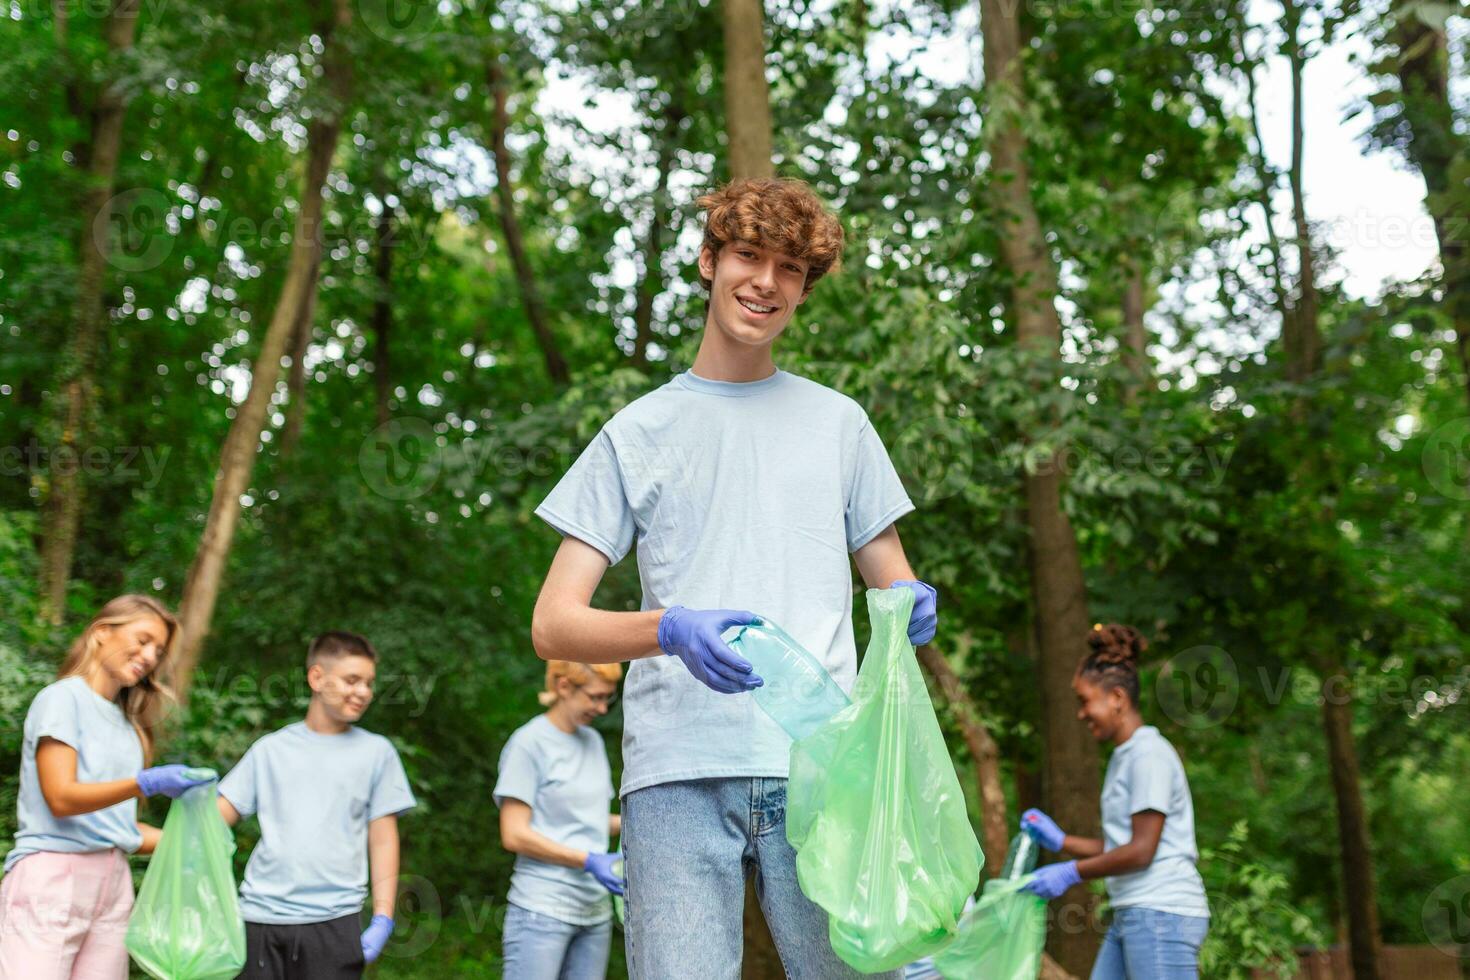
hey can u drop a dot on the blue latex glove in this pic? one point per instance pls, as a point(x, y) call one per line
point(601, 867)
point(693, 635)
point(172, 780)
point(1043, 829)
point(375, 937)
point(1053, 879)
point(925, 617)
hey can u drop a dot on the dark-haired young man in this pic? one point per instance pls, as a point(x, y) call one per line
point(746, 488)
point(328, 795)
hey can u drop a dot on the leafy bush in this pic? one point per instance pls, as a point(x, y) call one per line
point(1250, 923)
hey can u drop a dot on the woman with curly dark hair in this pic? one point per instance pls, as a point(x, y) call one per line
point(1148, 854)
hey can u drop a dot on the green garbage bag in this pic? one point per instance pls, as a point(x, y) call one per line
point(875, 811)
point(1000, 938)
point(186, 923)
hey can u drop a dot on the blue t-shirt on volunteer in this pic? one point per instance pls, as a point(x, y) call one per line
point(740, 496)
point(565, 779)
point(315, 795)
point(107, 748)
point(1145, 774)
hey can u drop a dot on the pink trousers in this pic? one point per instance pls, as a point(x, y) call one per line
point(65, 917)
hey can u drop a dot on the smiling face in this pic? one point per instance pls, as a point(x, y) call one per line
point(128, 652)
point(1101, 708)
point(754, 292)
point(343, 686)
point(582, 703)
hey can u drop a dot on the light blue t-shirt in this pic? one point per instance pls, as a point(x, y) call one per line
point(315, 795)
point(565, 779)
point(107, 748)
point(1145, 774)
point(740, 496)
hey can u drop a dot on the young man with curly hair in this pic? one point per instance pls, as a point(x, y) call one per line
point(745, 488)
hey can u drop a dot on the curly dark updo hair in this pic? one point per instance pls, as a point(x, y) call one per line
point(1113, 660)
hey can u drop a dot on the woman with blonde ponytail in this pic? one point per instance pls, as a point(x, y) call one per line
point(555, 790)
point(67, 890)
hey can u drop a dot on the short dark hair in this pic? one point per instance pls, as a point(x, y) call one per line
point(335, 644)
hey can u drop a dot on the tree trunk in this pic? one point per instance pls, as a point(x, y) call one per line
point(1303, 352)
point(747, 97)
point(1265, 176)
point(296, 380)
point(1071, 784)
point(237, 458)
point(653, 280)
point(1435, 148)
point(383, 313)
point(63, 509)
point(1352, 828)
point(556, 363)
point(1300, 335)
point(994, 824)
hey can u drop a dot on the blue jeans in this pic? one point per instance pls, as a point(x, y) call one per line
point(1145, 944)
point(538, 947)
point(688, 847)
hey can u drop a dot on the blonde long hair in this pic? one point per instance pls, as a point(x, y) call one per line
point(578, 674)
point(145, 702)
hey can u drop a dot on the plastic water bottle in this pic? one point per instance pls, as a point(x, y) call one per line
point(798, 692)
point(1021, 857)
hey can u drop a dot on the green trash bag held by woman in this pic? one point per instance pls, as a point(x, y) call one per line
point(875, 811)
point(186, 923)
point(1002, 936)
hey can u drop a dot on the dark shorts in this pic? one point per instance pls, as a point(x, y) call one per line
point(316, 951)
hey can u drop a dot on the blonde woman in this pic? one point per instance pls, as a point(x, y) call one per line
point(67, 891)
point(554, 792)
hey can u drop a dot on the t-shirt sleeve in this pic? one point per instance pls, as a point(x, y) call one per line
point(875, 495)
point(239, 784)
point(54, 713)
point(519, 775)
point(391, 792)
point(1151, 781)
point(590, 504)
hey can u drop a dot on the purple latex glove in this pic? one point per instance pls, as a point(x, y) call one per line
point(925, 618)
point(1053, 879)
point(1043, 829)
point(600, 866)
point(375, 937)
point(172, 780)
point(693, 635)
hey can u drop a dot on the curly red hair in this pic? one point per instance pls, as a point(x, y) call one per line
point(777, 213)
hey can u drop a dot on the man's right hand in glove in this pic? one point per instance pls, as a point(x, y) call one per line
point(693, 635)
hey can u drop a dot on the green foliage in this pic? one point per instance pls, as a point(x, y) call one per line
point(1194, 513)
point(1251, 924)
